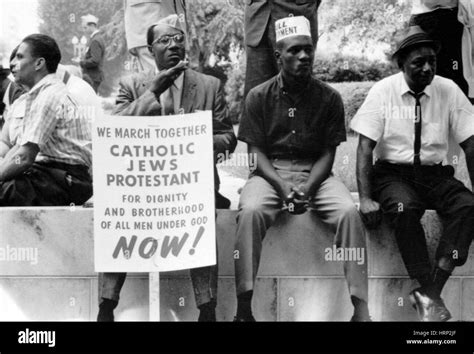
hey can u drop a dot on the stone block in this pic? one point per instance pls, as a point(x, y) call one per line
point(178, 303)
point(63, 238)
point(467, 300)
point(294, 246)
point(314, 299)
point(45, 299)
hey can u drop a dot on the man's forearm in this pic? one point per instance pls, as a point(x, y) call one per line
point(16, 161)
point(320, 170)
point(223, 143)
point(468, 147)
point(265, 168)
point(364, 168)
point(4, 148)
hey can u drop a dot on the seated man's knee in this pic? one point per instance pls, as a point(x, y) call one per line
point(402, 215)
point(348, 210)
point(250, 210)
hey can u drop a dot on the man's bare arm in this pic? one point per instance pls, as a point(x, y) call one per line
point(4, 140)
point(468, 147)
point(17, 161)
point(369, 208)
point(268, 172)
point(319, 172)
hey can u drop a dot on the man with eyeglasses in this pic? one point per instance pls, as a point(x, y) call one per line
point(172, 88)
point(139, 16)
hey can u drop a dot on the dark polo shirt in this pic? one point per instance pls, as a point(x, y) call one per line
point(293, 128)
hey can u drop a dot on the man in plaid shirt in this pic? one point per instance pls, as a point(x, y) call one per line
point(49, 164)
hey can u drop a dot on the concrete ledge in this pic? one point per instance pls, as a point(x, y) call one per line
point(295, 283)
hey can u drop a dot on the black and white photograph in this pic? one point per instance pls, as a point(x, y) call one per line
point(306, 163)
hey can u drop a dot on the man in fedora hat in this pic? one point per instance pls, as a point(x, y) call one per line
point(293, 124)
point(92, 64)
point(169, 89)
point(406, 120)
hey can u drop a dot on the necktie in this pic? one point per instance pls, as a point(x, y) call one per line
point(167, 102)
point(417, 145)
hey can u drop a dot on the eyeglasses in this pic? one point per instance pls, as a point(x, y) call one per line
point(166, 40)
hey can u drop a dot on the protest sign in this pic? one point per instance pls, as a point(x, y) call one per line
point(153, 193)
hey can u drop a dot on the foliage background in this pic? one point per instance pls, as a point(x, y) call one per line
point(355, 40)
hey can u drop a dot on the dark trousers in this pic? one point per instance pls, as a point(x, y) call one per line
point(204, 284)
point(405, 193)
point(261, 64)
point(204, 281)
point(48, 184)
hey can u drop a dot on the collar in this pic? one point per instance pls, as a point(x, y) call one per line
point(47, 80)
point(94, 33)
point(404, 89)
point(281, 84)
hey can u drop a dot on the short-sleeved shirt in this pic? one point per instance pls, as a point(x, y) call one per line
point(387, 116)
point(300, 128)
point(14, 117)
point(54, 123)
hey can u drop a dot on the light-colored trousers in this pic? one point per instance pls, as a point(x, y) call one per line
point(260, 205)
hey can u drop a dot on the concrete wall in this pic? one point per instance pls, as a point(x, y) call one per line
point(294, 284)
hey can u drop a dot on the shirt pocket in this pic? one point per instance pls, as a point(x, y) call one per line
point(433, 134)
point(399, 129)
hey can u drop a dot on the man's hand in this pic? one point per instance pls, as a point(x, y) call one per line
point(302, 191)
point(295, 201)
point(165, 78)
point(371, 213)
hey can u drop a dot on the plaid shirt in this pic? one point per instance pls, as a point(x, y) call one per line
point(55, 123)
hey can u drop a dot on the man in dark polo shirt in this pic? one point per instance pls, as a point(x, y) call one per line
point(293, 123)
point(260, 42)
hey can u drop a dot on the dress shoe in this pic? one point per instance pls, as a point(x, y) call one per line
point(358, 318)
point(429, 309)
point(442, 310)
point(244, 319)
point(106, 310)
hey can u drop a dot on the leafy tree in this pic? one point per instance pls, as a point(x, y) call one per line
point(212, 27)
point(364, 23)
point(61, 19)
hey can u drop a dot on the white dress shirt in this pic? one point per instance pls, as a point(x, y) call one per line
point(387, 117)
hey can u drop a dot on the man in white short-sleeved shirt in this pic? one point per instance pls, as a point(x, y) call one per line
point(406, 121)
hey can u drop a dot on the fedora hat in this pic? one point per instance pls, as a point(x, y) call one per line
point(416, 37)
